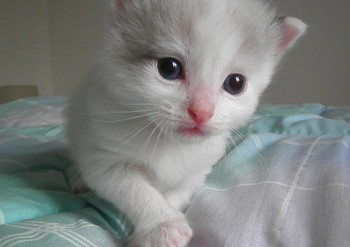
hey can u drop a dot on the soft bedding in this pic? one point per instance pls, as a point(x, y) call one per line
point(285, 181)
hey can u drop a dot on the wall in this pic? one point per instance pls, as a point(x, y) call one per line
point(318, 68)
point(48, 43)
point(24, 44)
point(51, 43)
point(75, 32)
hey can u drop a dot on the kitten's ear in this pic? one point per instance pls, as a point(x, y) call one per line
point(292, 29)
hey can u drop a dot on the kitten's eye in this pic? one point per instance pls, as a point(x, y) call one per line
point(235, 84)
point(169, 68)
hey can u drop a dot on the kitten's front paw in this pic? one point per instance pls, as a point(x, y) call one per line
point(168, 234)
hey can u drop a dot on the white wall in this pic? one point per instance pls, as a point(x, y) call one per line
point(51, 43)
point(48, 43)
point(24, 44)
point(318, 68)
point(75, 33)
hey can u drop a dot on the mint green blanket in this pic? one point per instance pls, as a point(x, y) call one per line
point(37, 207)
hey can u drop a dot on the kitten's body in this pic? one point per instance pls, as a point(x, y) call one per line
point(145, 143)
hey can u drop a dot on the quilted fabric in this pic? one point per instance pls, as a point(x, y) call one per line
point(284, 181)
point(37, 207)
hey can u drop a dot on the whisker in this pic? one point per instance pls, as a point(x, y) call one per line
point(139, 131)
point(261, 157)
point(144, 147)
point(157, 140)
point(170, 124)
point(113, 112)
point(135, 128)
point(241, 136)
point(124, 119)
point(165, 134)
point(172, 134)
point(239, 152)
point(238, 134)
point(124, 104)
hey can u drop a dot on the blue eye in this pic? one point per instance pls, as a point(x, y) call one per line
point(169, 68)
point(235, 84)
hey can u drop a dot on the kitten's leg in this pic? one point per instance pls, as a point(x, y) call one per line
point(181, 196)
point(156, 223)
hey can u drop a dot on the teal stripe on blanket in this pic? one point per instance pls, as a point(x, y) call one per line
point(34, 194)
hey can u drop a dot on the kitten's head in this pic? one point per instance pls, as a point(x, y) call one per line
point(199, 65)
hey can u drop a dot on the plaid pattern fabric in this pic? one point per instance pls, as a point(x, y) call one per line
point(37, 207)
point(286, 183)
point(283, 182)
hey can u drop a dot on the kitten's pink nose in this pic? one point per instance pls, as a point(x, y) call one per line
point(201, 105)
point(200, 113)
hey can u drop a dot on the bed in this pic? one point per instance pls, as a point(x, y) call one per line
point(284, 181)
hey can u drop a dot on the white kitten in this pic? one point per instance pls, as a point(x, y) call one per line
point(154, 114)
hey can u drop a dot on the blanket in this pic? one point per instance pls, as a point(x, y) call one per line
point(284, 181)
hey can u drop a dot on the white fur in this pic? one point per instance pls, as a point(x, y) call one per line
point(123, 118)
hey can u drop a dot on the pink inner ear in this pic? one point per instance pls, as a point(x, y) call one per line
point(289, 35)
point(292, 29)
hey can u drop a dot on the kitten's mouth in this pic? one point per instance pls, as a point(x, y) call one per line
point(191, 132)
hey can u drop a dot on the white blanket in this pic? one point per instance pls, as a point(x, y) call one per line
point(286, 186)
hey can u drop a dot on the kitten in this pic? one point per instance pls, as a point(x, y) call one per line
point(155, 112)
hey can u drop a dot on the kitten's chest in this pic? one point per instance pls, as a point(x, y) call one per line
point(177, 164)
